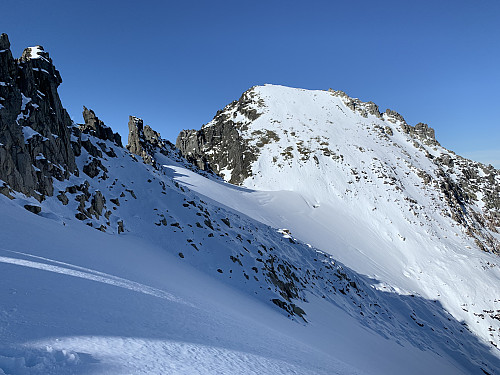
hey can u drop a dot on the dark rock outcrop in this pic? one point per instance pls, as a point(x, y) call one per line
point(142, 140)
point(421, 131)
point(465, 185)
point(97, 128)
point(93, 168)
point(146, 143)
point(235, 154)
point(33, 209)
point(35, 129)
point(232, 153)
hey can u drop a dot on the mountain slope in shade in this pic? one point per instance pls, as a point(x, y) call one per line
point(136, 261)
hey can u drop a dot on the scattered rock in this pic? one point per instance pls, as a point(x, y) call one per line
point(33, 209)
point(121, 227)
point(63, 198)
point(93, 168)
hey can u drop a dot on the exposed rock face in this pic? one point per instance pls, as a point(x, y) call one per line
point(421, 131)
point(97, 128)
point(142, 140)
point(462, 182)
point(235, 154)
point(232, 152)
point(145, 142)
point(357, 105)
point(35, 130)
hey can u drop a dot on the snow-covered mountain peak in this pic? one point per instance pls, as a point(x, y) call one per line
point(334, 148)
point(378, 194)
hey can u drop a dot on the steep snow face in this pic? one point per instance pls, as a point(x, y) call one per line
point(382, 197)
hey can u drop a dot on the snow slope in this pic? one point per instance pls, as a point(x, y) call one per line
point(187, 274)
point(78, 300)
point(117, 304)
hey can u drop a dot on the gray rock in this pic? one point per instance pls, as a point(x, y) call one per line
point(142, 140)
point(121, 227)
point(4, 42)
point(35, 129)
point(94, 167)
point(91, 148)
point(145, 142)
point(420, 131)
point(232, 152)
point(6, 190)
point(356, 105)
point(425, 132)
point(63, 198)
point(98, 203)
point(394, 116)
point(97, 128)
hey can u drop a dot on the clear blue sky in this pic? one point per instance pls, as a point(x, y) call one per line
point(175, 63)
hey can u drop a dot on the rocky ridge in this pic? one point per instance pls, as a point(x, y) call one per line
point(145, 142)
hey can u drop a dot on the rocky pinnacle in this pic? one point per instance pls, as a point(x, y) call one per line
point(35, 129)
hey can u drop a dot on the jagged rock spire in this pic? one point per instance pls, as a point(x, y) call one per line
point(35, 144)
point(97, 128)
point(142, 140)
point(4, 41)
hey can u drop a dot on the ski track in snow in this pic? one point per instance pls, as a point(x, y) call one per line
point(88, 274)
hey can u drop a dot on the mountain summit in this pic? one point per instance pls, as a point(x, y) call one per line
point(334, 148)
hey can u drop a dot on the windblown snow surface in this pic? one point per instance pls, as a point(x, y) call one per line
point(188, 287)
